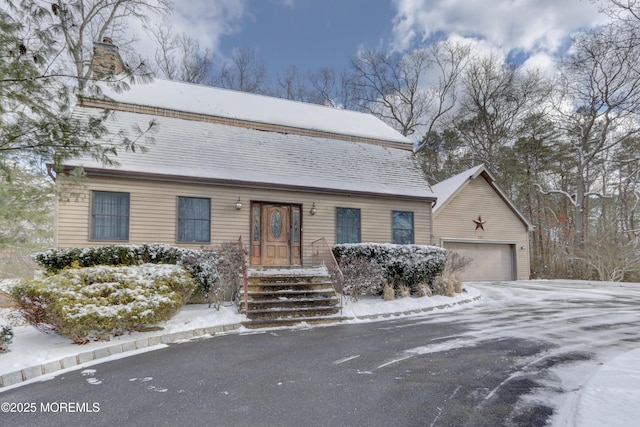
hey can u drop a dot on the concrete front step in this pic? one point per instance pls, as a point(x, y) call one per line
point(292, 312)
point(286, 297)
point(281, 323)
point(290, 294)
point(268, 303)
point(289, 286)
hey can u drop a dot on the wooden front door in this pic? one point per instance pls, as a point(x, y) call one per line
point(275, 234)
point(275, 223)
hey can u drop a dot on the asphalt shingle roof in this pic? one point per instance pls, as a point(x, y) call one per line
point(187, 148)
point(213, 101)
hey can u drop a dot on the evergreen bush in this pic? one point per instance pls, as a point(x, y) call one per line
point(201, 263)
point(361, 277)
point(6, 336)
point(409, 265)
point(94, 303)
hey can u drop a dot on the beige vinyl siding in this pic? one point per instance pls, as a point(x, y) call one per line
point(153, 213)
point(454, 222)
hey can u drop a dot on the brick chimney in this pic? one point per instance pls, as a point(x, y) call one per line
point(106, 59)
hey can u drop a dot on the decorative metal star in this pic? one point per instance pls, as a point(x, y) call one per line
point(479, 223)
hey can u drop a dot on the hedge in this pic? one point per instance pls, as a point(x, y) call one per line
point(201, 264)
point(94, 303)
point(409, 265)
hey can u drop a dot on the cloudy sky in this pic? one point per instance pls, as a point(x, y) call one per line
point(310, 34)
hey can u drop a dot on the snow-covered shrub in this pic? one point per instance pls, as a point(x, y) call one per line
point(388, 294)
point(361, 277)
point(203, 266)
point(449, 282)
point(201, 263)
point(6, 335)
point(456, 280)
point(409, 265)
point(230, 268)
point(403, 291)
point(455, 263)
point(95, 302)
point(424, 290)
point(55, 260)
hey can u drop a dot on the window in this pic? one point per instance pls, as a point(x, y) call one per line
point(402, 227)
point(109, 216)
point(347, 225)
point(194, 219)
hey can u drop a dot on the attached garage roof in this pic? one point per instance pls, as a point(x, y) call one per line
point(447, 190)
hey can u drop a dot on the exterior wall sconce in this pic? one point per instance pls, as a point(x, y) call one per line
point(313, 210)
point(238, 204)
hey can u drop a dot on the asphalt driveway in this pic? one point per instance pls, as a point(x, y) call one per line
point(518, 357)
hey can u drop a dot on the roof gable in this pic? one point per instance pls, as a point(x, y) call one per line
point(447, 190)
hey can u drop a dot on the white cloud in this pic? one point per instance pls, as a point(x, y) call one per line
point(530, 25)
point(203, 20)
point(208, 21)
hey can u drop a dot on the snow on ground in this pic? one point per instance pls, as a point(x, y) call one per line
point(604, 395)
point(31, 347)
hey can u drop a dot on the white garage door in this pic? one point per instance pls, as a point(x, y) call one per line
point(490, 261)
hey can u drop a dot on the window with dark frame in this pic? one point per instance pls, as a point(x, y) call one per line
point(402, 227)
point(109, 215)
point(347, 225)
point(194, 220)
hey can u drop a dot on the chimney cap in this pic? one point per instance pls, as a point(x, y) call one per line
point(107, 40)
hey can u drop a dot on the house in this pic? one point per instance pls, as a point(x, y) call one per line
point(224, 164)
point(474, 218)
point(284, 175)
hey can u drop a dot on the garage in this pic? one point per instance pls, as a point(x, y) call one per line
point(475, 218)
point(491, 261)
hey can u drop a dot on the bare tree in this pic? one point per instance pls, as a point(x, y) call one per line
point(413, 91)
point(179, 57)
point(449, 61)
point(597, 108)
point(388, 85)
point(611, 256)
point(82, 22)
point(324, 83)
point(292, 85)
point(495, 101)
point(624, 10)
point(243, 72)
point(332, 88)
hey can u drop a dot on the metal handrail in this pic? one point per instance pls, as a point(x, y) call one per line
point(321, 254)
point(245, 277)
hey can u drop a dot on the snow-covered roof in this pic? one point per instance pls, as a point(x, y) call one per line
point(211, 151)
point(446, 190)
point(232, 104)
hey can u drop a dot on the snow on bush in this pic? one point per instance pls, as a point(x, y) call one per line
point(202, 264)
point(449, 282)
point(230, 268)
point(6, 335)
point(409, 265)
point(95, 302)
point(361, 277)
